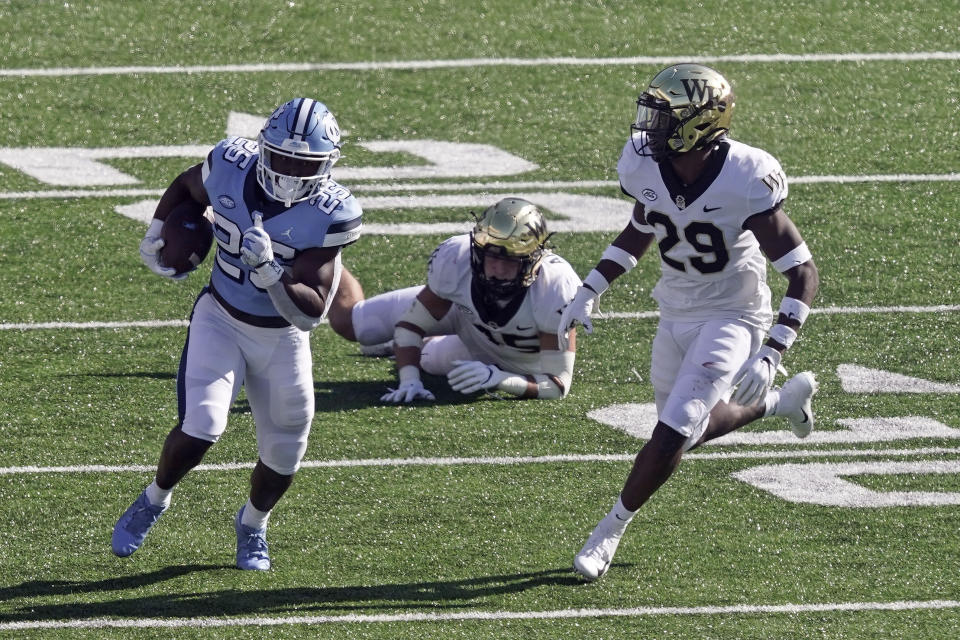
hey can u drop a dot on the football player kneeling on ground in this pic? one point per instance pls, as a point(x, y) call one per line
point(486, 319)
point(280, 224)
point(714, 208)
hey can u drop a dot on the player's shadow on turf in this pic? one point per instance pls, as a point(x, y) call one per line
point(184, 601)
point(334, 396)
point(43, 588)
point(154, 375)
point(329, 395)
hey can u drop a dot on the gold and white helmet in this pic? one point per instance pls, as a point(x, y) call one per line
point(687, 106)
point(513, 229)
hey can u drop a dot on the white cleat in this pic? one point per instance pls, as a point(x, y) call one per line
point(597, 553)
point(795, 402)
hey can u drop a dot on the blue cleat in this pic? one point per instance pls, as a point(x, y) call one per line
point(134, 525)
point(252, 552)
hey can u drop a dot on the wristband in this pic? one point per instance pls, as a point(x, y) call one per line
point(769, 353)
point(515, 385)
point(795, 309)
point(269, 273)
point(782, 334)
point(596, 282)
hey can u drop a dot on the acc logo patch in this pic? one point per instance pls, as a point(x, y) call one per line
point(649, 194)
point(226, 201)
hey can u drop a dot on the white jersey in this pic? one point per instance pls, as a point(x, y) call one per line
point(509, 339)
point(711, 267)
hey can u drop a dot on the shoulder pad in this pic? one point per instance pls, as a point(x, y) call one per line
point(768, 183)
point(235, 152)
point(448, 265)
point(554, 288)
point(343, 213)
point(629, 167)
point(628, 159)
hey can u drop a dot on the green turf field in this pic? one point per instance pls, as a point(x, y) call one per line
point(461, 518)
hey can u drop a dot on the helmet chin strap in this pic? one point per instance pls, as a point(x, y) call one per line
point(288, 187)
point(499, 296)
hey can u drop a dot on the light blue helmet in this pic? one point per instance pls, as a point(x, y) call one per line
point(299, 144)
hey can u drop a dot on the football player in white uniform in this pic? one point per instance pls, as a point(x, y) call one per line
point(280, 223)
point(487, 317)
point(713, 206)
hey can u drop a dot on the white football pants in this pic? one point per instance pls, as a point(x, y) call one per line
point(692, 368)
point(374, 320)
point(273, 365)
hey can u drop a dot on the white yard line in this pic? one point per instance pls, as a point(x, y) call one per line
point(828, 311)
point(496, 460)
point(368, 188)
point(612, 315)
point(146, 324)
point(407, 65)
point(483, 616)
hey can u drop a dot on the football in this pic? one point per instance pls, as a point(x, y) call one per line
point(187, 236)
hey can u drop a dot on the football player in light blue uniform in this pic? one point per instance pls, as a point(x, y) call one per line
point(279, 222)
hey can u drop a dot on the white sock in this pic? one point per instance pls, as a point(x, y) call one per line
point(619, 517)
point(158, 497)
point(771, 403)
point(254, 518)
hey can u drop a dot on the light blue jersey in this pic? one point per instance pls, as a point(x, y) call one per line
point(331, 219)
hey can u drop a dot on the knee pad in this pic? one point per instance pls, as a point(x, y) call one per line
point(282, 451)
point(687, 409)
point(282, 436)
point(686, 416)
point(204, 422)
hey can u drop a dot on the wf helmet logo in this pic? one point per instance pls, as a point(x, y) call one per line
point(537, 227)
point(697, 88)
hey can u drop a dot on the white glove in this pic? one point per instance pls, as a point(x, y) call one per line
point(150, 252)
point(469, 376)
point(256, 251)
point(407, 393)
point(578, 310)
point(755, 376)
